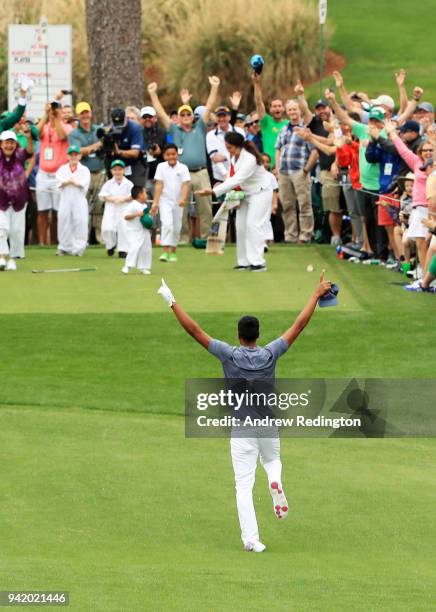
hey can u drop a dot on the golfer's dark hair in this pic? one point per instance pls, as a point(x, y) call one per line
point(248, 328)
point(136, 191)
point(168, 146)
point(237, 140)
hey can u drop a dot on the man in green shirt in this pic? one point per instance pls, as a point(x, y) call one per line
point(272, 123)
point(8, 120)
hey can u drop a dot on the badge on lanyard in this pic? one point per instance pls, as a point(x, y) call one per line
point(180, 150)
point(48, 154)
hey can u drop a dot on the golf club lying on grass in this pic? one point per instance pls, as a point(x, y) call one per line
point(65, 270)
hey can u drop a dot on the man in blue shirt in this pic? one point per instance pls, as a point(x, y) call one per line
point(250, 362)
point(129, 147)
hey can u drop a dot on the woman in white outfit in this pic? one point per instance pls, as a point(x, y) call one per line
point(73, 181)
point(247, 173)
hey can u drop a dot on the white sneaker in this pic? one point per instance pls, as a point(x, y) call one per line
point(2, 263)
point(145, 271)
point(11, 265)
point(280, 504)
point(125, 269)
point(254, 547)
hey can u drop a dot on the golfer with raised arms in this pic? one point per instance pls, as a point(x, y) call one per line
point(251, 362)
point(248, 174)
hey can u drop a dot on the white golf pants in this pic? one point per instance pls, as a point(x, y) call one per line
point(12, 228)
point(251, 217)
point(171, 215)
point(245, 452)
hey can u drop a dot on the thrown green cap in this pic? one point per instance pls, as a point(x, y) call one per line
point(73, 149)
point(118, 162)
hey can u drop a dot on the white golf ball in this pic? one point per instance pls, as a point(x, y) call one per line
point(309, 268)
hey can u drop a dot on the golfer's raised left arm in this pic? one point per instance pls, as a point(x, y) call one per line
point(306, 314)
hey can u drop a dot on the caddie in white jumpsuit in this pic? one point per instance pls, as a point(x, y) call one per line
point(73, 181)
point(248, 362)
point(139, 253)
point(254, 211)
point(116, 193)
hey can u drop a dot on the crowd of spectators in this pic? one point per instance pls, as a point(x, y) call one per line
point(353, 171)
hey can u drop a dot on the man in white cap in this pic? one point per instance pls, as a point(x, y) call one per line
point(155, 138)
point(14, 195)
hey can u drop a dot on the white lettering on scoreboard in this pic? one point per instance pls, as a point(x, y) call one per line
point(27, 55)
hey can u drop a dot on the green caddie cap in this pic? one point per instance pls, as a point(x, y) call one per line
point(73, 149)
point(118, 162)
point(377, 113)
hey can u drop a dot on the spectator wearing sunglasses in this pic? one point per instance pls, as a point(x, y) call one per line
point(253, 130)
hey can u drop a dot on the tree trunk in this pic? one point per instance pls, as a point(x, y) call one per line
point(115, 54)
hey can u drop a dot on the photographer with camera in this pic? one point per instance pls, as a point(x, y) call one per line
point(123, 139)
point(53, 133)
point(155, 139)
point(85, 137)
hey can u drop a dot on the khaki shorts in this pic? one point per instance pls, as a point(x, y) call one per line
point(330, 192)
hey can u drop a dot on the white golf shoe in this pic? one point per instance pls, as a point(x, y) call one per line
point(125, 269)
point(254, 547)
point(145, 271)
point(11, 265)
point(2, 263)
point(280, 504)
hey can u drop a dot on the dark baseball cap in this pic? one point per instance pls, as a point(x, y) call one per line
point(222, 110)
point(321, 102)
point(410, 126)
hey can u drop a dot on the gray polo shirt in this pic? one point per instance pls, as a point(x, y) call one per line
point(242, 363)
point(82, 138)
point(191, 145)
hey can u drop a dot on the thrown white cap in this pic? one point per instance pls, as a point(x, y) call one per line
point(8, 135)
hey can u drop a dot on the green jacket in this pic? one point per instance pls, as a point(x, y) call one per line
point(8, 120)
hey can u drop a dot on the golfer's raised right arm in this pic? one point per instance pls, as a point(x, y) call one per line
point(191, 326)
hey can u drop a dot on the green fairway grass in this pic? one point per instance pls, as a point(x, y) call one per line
point(103, 496)
point(377, 38)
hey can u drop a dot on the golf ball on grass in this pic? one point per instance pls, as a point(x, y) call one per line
point(309, 268)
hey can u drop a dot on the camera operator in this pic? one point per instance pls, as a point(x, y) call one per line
point(53, 132)
point(85, 137)
point(124, 140)
point(155, 138)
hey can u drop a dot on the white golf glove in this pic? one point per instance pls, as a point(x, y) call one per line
point(166, 293)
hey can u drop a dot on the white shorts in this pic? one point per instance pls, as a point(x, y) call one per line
point(416, 229)
point(433, 242)
point(47, 191)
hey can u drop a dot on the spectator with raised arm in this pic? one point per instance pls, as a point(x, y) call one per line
point(53, 133)
point(190, 140)
point(415, 162)
point(330, 187)
point(271, 123)
point(369, 174)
